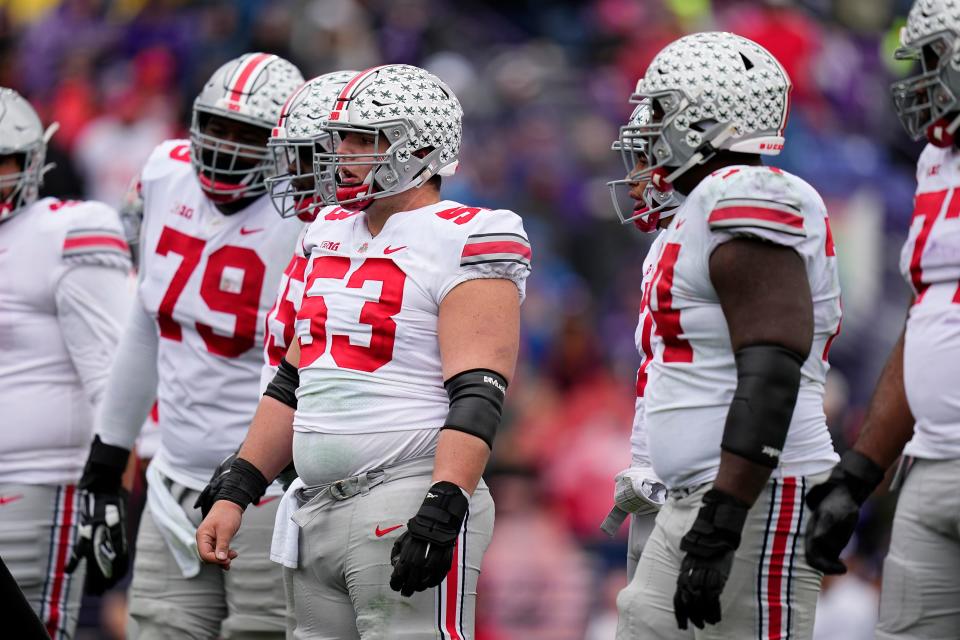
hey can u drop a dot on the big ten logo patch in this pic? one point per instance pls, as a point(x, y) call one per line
point(183, 211)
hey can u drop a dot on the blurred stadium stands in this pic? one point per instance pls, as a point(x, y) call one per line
point(544, 87)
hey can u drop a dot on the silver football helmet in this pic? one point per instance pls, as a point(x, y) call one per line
point(414, 121)
point(299, 134)
point(708, 91)
point(250, 89)
point(928, 102)
point(657, 204)
point(23, 137)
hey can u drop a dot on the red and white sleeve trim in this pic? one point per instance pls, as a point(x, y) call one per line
point(756, 212)
point(84, 241)
point(483, 248)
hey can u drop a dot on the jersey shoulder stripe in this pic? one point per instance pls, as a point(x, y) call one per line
point(483, 248)
point(104, 247)
point(757, 212)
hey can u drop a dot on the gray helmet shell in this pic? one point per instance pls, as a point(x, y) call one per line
point(21, 132)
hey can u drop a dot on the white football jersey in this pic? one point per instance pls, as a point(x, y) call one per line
point(689, 374)
point(208, 279)
point(367, 324)
point(281, 319)
point(47, 411)
point(930, 262)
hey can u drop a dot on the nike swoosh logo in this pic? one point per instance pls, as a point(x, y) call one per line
point(681, 222)
point(388, 249)
point(245, 232)
point(382, 532)
point(8, 499)
point(267, 499)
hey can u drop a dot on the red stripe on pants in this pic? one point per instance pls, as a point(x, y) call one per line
point(781, 534)
point(60, 562)
point(453, 595)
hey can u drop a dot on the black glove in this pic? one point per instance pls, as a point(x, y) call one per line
point(709, 545)
point(423, 555)
point(836, 508)
point(102, 534)
point(209, 494)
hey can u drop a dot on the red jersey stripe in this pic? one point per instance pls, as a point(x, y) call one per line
point(756, 213)
point(482, 248)
point(95, 241)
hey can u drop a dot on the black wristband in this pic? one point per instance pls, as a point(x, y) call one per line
point(103, 472)
point(860, 474)
point(243, 484)
point(284, 385)
point(718, 526)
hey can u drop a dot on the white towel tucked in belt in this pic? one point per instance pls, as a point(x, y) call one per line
point(174, 525)
point(285, 547)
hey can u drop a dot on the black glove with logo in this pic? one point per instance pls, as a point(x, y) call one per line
point(423, 555)
point(709, 546)
point(209, 494)
point(102, 534)
point(836, 508)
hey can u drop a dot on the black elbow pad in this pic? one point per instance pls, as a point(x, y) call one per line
point(284, 385)
point(476, 403)
point(768, 381)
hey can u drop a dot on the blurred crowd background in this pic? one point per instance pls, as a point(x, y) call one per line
point(544, 87)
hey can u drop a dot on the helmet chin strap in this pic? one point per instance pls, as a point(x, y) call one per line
point(362, 189)
point(941, 133)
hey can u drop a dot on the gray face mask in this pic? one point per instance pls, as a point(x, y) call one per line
point(251, 89)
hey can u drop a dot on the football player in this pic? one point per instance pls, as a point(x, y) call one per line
point(916, 405)
point(638, 492)
point(293, 191)
point(740, 302)
point(63, 299)
point(407, 335)
point(211, 252)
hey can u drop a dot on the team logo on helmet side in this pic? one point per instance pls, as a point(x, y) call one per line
point(928, 101)
point(23, 137)
point(708, 92)
point(299, 133)
point(414, 120)
point(251, 89)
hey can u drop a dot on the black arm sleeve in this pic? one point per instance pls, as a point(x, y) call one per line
point(768, 381)
point(284, 385)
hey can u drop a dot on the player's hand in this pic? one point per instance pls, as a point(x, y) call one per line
point(709, 545)
point(209, 494)
point(422, 556)
point(216, 531)
point(102, 540)
point(836, 509)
